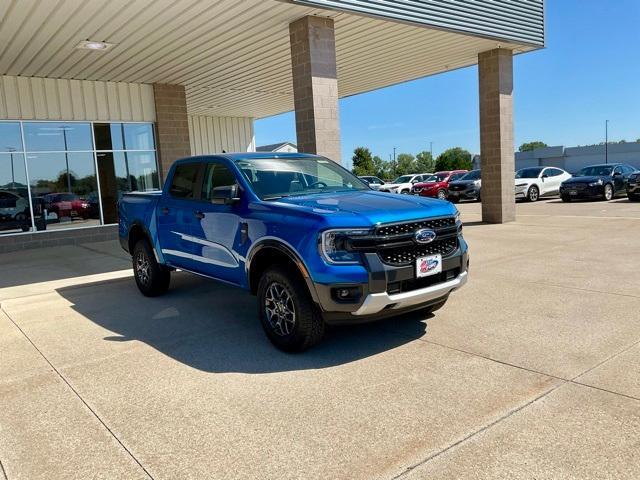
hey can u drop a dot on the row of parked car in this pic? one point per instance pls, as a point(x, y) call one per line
point(604, 181)
point(16, 215)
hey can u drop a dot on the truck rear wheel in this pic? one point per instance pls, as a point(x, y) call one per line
point(288, 315)
point(152, 278)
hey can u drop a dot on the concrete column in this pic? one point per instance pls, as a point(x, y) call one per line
point(315, 86)
point(172, 125)
point(495, 72)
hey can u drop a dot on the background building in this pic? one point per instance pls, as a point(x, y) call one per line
point(100, 98)
point(573, 159)
point(284, 147)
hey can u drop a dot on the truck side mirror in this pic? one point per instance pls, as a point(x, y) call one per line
point(225, 195)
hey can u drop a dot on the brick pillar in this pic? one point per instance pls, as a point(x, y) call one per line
point(172, 126)
point(315, 86)
point(495, 72)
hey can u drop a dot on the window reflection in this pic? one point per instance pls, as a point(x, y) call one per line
point(61, 159)
point(57, 136)
point(10, 137)
point(15, 215)
point(138, 136)
point(109, 136)
point(64, 185)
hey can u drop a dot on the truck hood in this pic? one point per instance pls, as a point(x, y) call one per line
point(371, 207)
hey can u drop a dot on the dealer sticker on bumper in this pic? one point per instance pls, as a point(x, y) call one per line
point(429, 265)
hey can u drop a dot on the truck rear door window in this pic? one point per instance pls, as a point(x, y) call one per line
point(184, 181)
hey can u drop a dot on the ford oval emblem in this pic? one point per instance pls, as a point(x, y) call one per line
point(424, 235)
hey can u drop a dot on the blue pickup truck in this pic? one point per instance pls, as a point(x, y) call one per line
point(312, 241)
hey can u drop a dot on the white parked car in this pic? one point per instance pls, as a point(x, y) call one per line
point(405, 183)
point(535, 182)
point(374, 182)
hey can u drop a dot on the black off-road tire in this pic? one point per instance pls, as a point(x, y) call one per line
point(533, 194)
point(308, 326)
point(151, 278)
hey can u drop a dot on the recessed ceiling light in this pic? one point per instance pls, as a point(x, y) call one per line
point(94, 45)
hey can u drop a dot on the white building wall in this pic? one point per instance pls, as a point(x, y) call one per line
point(217, 134)
point(32, 98)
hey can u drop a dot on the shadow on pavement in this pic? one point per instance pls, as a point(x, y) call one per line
point(25, 267)
point(214, 328)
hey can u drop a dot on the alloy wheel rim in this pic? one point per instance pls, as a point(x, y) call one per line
point(441, 195)
point(608, 192)
point(533, 195)
point(279, 309)
point(142, 268)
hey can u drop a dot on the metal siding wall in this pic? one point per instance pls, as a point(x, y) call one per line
point(513, 20)
point(31, 98)
point(215, 134)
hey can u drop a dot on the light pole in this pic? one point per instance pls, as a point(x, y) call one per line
point(431, 149)
point(606, 141)
point(66, 155)
point(13, 175)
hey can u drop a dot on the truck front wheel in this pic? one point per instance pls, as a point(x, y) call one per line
point(151, 277)
point(288, 315)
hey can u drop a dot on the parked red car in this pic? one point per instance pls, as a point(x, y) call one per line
point(67, 205)
point(437, 185)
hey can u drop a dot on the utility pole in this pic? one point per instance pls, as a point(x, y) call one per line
point(606, 141)
point(431, 149)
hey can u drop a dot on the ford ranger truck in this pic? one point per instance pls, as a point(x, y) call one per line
point(314, 243)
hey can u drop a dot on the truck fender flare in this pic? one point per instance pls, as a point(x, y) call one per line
point(290, 252)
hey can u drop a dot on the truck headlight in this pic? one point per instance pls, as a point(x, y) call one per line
point(334, 245)
point(595, 184)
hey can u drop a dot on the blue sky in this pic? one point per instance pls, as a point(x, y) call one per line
point(588, 72)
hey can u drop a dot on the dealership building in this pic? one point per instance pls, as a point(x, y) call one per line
point(99, 98)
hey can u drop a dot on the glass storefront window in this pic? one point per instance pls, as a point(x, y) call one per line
point(64, 183)
point(109, 136)
point(10, 137)
point(15, 215)
point(57, 136)
point(138, 136)
point(74, 172)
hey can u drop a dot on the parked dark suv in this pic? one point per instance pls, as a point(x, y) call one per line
point(603, 181)
point(633, 187)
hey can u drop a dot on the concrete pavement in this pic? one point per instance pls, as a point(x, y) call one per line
point(531, 371)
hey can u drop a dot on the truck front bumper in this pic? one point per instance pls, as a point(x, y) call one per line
point(377, 302)
point(392, 290)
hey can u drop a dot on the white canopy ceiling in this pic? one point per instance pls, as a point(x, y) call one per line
point(231, 55)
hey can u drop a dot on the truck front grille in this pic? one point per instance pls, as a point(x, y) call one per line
point(410, 227)
point(396, 246)
point(407, 255)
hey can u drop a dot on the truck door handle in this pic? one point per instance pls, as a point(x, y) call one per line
point(199, 215)
point(165, 211)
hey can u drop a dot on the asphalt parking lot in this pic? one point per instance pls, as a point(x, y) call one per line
point(531, 371)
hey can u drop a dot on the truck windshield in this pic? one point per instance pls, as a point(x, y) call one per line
point(273, 178)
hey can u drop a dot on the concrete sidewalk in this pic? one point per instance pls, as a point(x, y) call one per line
point(531, 371)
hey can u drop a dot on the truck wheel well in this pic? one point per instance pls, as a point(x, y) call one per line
point(136, 233)
point(268, 257)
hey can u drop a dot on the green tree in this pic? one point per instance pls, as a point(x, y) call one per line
point(527, 147)
point(453, 159)
point(363, 162)
point(424, 162)
point(381, 168)
point(405, 163)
